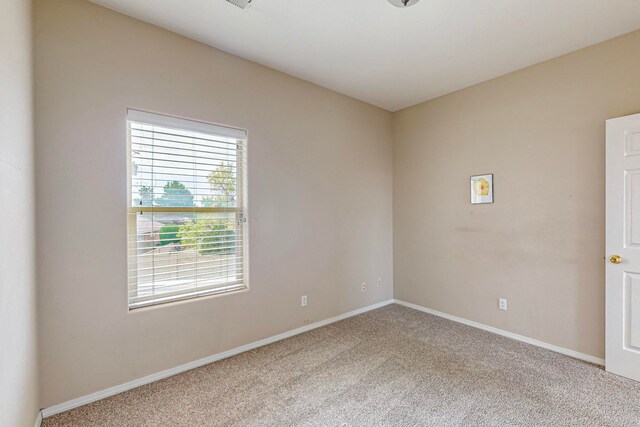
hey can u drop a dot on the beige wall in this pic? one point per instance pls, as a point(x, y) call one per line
point(18, 359)
point(320, 197)
point(541, 245)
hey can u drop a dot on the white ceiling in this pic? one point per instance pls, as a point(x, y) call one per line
point(392, 57)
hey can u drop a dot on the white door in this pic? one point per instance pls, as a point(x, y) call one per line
point(623, 246)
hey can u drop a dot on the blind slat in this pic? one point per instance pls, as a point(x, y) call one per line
point(163, 134)
point(175, 144)
point(165, 277)
point(174, 158)
point(148, 289)
point(210, 264)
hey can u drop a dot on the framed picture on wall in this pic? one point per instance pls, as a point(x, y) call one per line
point(481, 189)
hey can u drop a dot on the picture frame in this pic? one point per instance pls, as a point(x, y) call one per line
point(481, 189)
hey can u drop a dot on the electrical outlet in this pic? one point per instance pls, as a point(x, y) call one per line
point(363, 287)
point(379, 282)
point(303, 301)
point(502, 304)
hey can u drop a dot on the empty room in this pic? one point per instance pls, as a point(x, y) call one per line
point(320, 213)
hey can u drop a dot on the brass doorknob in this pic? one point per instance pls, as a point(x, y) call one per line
point(615, 259)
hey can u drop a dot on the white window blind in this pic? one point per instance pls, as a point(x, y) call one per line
point(187, 229)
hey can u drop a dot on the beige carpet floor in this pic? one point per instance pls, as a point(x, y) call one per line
point(390, 367)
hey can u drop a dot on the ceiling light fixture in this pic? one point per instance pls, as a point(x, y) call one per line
point(403, 3)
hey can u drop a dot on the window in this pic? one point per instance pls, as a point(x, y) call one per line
point(187, 230)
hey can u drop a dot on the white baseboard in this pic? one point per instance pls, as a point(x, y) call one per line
point(74, 403)
point(38, 419)
point(562, 350)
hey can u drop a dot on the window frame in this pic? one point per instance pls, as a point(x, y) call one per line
point(241, 211)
